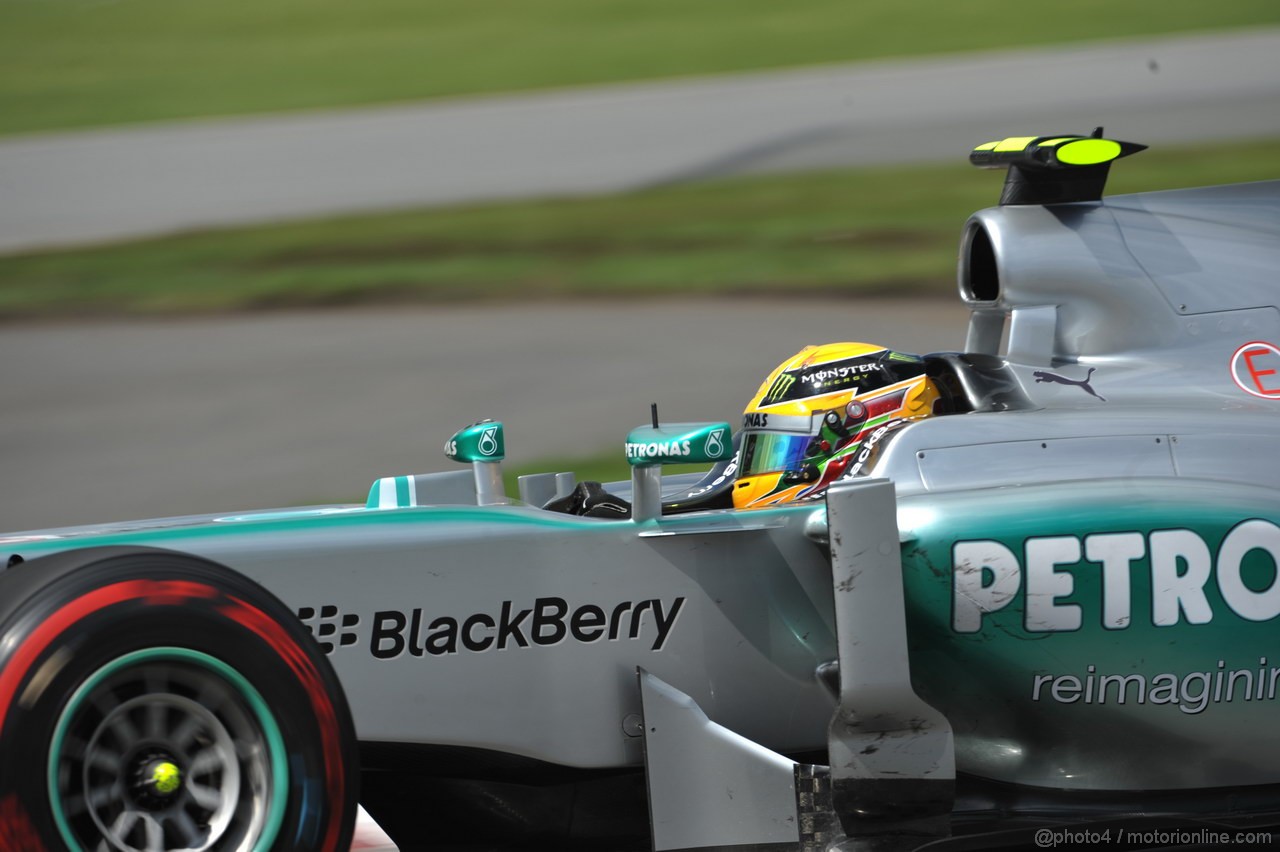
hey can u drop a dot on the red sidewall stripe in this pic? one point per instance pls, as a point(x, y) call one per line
point(52, 627)
point(305, 671)
point(177, 593)
point(16, 831)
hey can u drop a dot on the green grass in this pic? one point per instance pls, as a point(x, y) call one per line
point(76, 63)
point(848, 232)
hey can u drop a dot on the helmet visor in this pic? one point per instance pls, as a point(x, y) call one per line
point(772, 452)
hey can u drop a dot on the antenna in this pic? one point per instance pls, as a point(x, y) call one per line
point(653, 412)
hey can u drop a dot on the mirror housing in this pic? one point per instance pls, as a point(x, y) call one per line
point(483, 446)
point(679, 443)
point(650, 447)
point(479, 442)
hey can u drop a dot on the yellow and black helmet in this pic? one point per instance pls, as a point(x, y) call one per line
point(806, 423)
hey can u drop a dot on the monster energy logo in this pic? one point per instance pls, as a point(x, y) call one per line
point(781, 385)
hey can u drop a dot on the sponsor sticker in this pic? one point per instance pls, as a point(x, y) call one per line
point(1191, 692)
point(1042, 376)
point(659, 449)
point(781, 385)
point(714, 447)
point(988, 576)
point(488, 444)
point(1255, 368)
point(545, 622)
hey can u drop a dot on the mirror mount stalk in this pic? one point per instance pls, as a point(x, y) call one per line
point(484, 447)
point(650, 447)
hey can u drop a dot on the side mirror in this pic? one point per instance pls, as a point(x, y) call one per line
point(650, 447)
point(679, 443)
point(483, 446)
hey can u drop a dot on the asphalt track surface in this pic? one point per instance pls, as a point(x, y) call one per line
point(125, 182)
point(134, 419)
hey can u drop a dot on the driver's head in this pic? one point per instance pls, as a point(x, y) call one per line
point(806, 424)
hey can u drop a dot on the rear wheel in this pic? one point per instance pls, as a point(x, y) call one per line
point(150, 700)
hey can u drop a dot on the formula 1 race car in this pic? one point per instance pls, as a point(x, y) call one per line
point(1055, 608)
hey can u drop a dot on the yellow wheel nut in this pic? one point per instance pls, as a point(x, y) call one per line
point(165, 778)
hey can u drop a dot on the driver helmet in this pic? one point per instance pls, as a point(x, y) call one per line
point(806, 423)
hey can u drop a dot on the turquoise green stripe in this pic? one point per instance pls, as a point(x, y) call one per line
point(357, 519)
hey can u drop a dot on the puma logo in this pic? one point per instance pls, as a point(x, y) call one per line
point(1043, 376)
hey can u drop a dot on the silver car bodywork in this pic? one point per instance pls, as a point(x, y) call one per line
point(1119, 389)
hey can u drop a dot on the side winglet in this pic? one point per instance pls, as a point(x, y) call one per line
point(1052, 169)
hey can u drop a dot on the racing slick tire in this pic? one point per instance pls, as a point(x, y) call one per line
point(154, 700)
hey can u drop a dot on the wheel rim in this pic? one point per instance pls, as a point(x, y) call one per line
point(167, 748)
